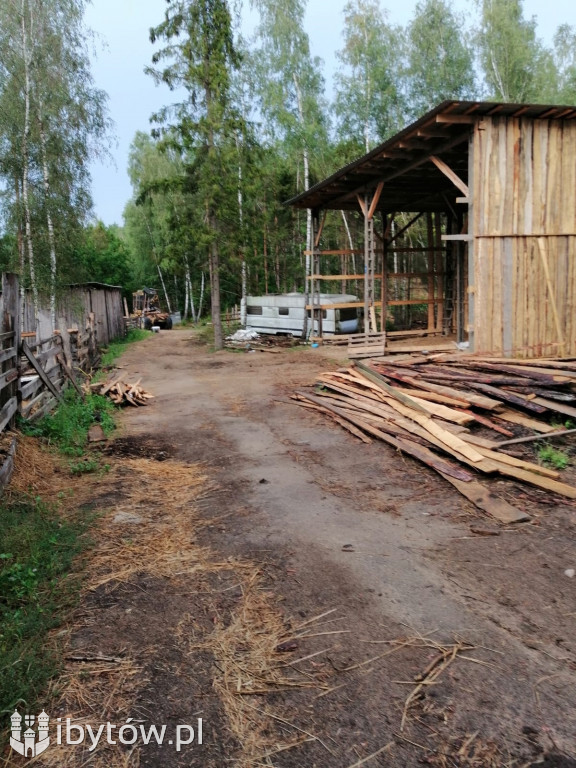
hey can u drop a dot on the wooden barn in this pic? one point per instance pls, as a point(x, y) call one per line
point(469, 215)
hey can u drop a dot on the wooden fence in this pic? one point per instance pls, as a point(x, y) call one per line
point(76, 305)
point(34, 372)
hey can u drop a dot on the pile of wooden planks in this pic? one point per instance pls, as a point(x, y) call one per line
point(122, 393)
point(433, 407)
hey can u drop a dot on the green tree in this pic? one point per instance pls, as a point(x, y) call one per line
point(513, 59)
point(290, 88)
point(440, 60)
point(564, 54)
point(54, 122)
point(106, 258)
point(199, 56)
point(368, 104)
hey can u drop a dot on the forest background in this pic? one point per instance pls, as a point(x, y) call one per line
point(248, 123)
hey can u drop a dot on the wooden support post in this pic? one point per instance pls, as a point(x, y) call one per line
point(384, 281)
point(316, 313)
point(430, 237)
point(10, 320)
point(473, 147)
point(440, 269)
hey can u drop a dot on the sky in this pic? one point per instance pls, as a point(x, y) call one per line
point(122, 50)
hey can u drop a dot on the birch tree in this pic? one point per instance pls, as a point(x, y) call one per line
point(368, 102)
point(512, 57)
point(440, 57)
point(46, 88)
point(291, 91)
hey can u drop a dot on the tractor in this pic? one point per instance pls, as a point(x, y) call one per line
point(146, 305)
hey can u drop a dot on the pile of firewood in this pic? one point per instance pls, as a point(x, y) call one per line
point(433, 408)
point(121, 392)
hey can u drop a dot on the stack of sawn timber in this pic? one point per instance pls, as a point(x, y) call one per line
point(427, 408)
point(122, 393)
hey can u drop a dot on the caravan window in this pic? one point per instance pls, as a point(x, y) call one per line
point(283, 310)
point(324, 313)
point(254, 310)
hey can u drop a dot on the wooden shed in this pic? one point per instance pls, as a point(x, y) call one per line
point(75, 306)
point(491, 188)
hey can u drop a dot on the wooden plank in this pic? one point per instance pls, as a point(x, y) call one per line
point(8, 465)
point(434, 397)
point(554, 486)
point(50, 404)
point(7, 354)
point(40, 371)
point(551, 294)
point(507, 397)
point(8, 411)
point(406, 446)
point(485, 500)
point(512, 461)
point(28, 388)
point(452, 441)
point(371, 374)
point(70, 376)
point(375, 199)
point(554, 405)
point(518, 418)
point(8, 378)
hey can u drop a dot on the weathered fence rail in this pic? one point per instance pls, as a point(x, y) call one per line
point(35, 370)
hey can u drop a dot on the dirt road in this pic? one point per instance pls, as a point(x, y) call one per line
point(331, 524)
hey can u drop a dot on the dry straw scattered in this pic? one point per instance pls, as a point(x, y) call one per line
point(149, 526)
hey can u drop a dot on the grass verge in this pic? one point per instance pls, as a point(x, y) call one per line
point(37, 548)
point(67, 428)
point(116, 348)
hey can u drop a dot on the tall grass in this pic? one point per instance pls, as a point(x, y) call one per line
point(37, 548)
point(67, 428)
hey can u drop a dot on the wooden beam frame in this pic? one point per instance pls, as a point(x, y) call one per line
point(423, 158)
point(449, 173)
point(375, 199)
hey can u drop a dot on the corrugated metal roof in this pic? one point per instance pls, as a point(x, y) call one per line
point(419, 186)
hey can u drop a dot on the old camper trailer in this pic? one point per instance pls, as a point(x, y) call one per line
point(283, 314)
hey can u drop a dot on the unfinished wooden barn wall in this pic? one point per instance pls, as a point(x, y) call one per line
point(74, 308)
point(523, 228)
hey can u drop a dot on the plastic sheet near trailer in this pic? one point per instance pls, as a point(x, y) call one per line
point(283, 314)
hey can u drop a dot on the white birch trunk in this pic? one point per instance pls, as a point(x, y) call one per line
point(49, 223)
point(201, 299)
point(191, 294)
point(26, 165)
point(186, 292)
